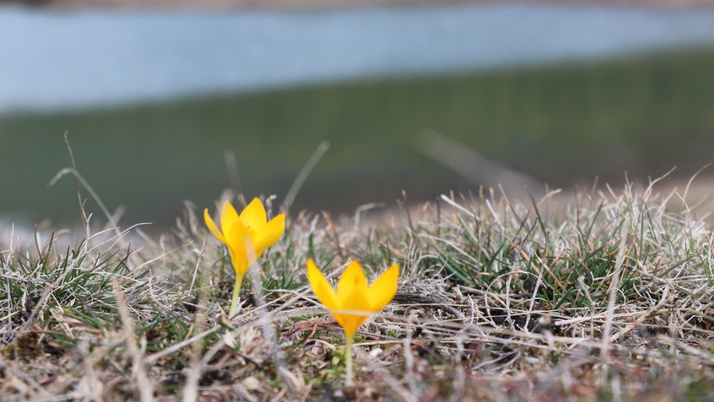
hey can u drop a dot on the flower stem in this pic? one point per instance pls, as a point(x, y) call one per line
point(236, 295)
point(348, 359)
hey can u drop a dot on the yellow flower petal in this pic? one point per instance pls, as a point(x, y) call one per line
point(269, 234)
point(353, 278)
point(238, 233)
point(212, 226)
point(253, 216)
point(239, 243)
point(239, 260)
point(354, 301)
point(238, 237)
point(352, 311)
point(382, 291)
point(228, 217)
point(320, 286)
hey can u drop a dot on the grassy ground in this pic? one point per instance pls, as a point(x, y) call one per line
point(607, 297)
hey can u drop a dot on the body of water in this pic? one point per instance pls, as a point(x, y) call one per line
point(66, 59)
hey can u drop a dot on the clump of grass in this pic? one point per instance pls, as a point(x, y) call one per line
point(605, 296)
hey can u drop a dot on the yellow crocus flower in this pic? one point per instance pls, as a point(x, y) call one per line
point(354, 301)
point(246, 235)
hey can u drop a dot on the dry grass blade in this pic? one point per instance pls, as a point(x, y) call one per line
point(145, 388)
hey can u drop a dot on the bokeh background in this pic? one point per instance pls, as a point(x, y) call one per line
point(169, 103)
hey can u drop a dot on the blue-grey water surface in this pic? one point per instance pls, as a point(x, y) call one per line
point(54, 59)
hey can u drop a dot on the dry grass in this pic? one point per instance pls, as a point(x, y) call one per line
point(605, 297)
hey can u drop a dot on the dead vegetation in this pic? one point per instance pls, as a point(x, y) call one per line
point(607, 297)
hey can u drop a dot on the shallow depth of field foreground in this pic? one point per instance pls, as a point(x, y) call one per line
point(603, 297)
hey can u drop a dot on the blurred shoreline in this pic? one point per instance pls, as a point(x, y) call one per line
point(307, 4)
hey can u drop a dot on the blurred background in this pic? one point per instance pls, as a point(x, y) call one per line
point(177, 102)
